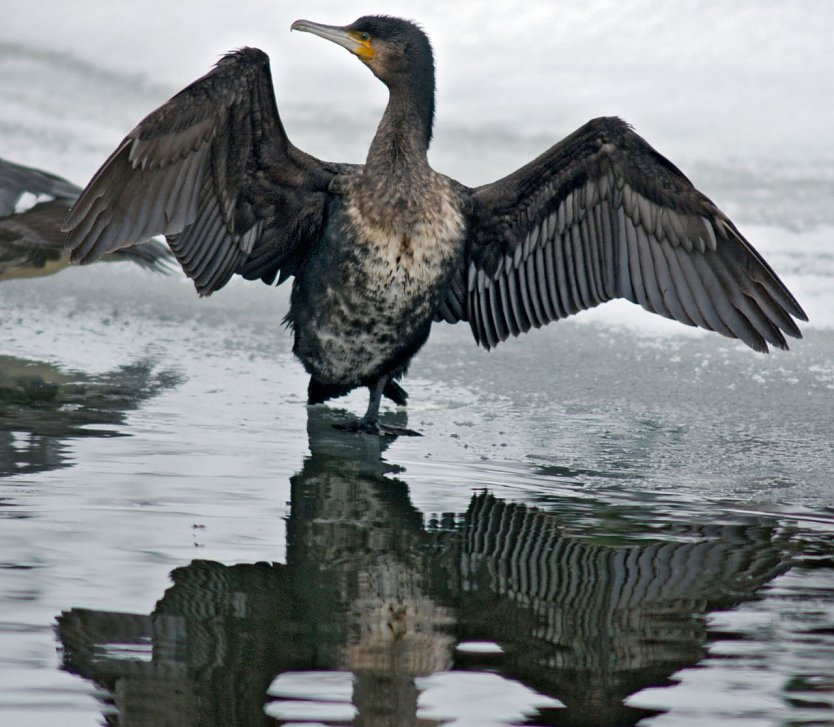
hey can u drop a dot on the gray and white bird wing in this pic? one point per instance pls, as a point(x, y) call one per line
point(213, 170)
point(602, 215)
point(16, 180)
point(32, 244)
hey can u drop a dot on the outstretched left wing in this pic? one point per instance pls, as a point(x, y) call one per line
point(213, 170)
point(602, 215)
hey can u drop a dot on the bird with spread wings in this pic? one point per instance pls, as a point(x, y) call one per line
point(380, 251)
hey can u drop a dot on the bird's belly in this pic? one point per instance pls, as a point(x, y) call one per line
point(368, 310)
point(361, 346)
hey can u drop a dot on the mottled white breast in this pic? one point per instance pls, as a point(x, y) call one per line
point(409, 252)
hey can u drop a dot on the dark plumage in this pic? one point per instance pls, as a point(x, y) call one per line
point(382, 250)
point(32, 243)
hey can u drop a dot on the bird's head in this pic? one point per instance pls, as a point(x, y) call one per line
point(395, 50)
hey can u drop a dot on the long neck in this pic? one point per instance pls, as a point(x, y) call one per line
point(404, 133)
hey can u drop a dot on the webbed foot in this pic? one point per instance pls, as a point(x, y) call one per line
point(370, 424)
point(376, 428)
point(390, 431)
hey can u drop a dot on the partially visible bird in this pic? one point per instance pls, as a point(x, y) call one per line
point(382, 250)
point(32, 243)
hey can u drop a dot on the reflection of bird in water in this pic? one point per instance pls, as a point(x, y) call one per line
point(592, 621)
point(381, 251)
point(353, 595)
point(372, 591)
point(32, 243)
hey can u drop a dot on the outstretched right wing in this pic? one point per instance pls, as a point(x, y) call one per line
point(213, 170)
point(602, 215)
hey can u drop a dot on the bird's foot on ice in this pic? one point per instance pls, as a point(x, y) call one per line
point(375, 427)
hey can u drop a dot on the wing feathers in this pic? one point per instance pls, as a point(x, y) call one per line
point(539, 317)
point(624, 278)
point(516, 321)
point(681, 287)
point(208, 169)
point(526, 303)
point(602, 215)
point(674, 307)
point(703, 291)
point(634, 269)
point(562, 288)
point(551, 273)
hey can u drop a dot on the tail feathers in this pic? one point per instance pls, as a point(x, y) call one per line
point(318, 392)
point(395, 393)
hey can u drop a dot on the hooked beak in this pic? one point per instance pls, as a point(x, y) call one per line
point(345, 38)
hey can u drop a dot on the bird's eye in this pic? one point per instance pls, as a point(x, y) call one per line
point(365, 36)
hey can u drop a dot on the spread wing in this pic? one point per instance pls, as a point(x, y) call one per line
point(602, 215)
point(32, 242)
point(211, 169)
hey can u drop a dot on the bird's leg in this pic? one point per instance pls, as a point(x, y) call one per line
point(371, 418)
point(370, 424)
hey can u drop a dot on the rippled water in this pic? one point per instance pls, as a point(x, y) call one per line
point(611, 521)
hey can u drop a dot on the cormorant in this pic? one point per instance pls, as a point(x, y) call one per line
point(382, 250)
point(32, 243)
